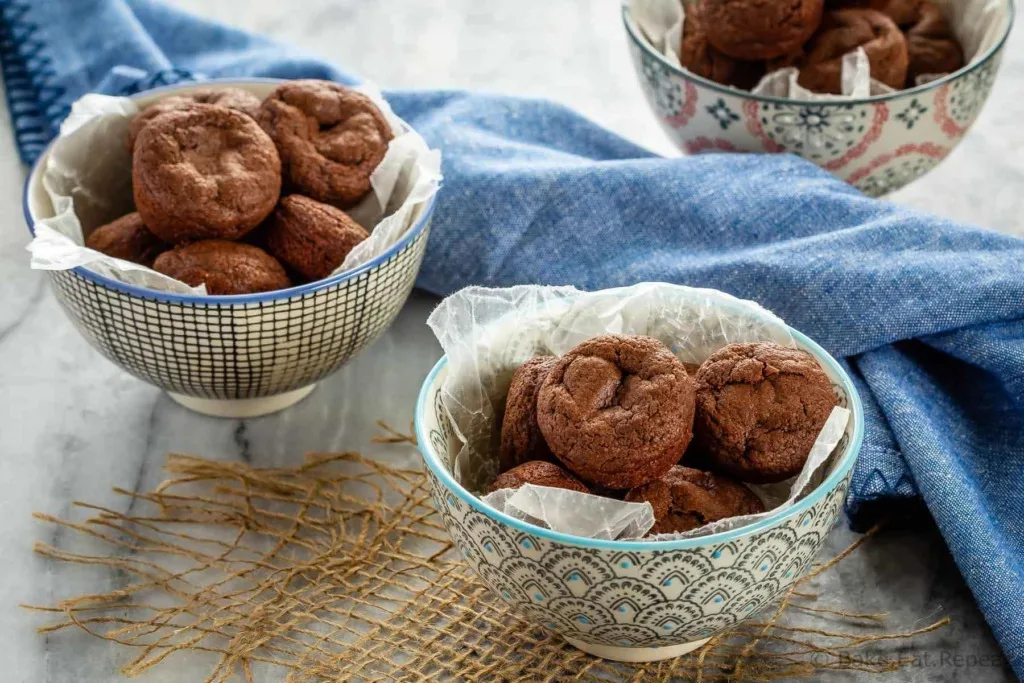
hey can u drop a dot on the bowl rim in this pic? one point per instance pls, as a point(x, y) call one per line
point(631, 30)
point(840, 471)
point(35, 175)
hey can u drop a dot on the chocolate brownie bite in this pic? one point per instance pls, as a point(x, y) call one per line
point(538, 473)
point(330, 137)
point(698, 56)
point(760, 29)
point(685, 499)
point(127, 238)
point(521, 439)
point(224, 267)
point(310, 237)
point(206, 172)
point(932, 47)
point(902, 12)
point(760, 407)
point(617, 410)
point(844, 30)
point(232, 98)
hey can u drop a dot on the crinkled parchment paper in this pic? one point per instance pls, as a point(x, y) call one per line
point(88, 180)
point(977, 24)
point(488, 333)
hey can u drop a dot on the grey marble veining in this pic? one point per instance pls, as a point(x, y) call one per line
point(72, 425)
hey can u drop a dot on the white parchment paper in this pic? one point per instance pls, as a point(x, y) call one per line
point(978, 24)
point(488, 333)
point(88, 180)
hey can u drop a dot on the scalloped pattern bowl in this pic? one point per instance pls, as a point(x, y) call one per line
point(635, 600)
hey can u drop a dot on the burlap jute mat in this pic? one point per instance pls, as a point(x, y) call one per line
point(340, 570)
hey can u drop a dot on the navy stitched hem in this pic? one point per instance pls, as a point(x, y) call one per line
point(35, 102)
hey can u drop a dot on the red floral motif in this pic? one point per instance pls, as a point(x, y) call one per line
point(703, 144)
point(881, 116)
point(689, 108)
point(927, 149)
point(949, 126)
point(751, 112)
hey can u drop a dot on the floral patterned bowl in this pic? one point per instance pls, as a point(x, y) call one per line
point(877, 144)
point(635, 600)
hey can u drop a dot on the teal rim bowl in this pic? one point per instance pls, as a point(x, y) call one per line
point(437, 465)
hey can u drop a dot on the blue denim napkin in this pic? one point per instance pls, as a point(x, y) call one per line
point(927, 314)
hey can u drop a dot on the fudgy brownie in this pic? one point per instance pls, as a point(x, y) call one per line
point(538, 473)
point(760, 408)
point(902, 12)
point(698, 56)
point(232, 98)
point(684, 499)
point(842, 31)
point(932, 47)
point(205, 172)
point(330, 137)
point(617, 410)
point(760, 29)
point(224, 267)
point(521, 439)
point(310, 237)
point(127, 238)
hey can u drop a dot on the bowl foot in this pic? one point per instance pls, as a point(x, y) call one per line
point(636, 654)
point(242, 407)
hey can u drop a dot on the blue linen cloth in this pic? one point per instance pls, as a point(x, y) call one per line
point(927, 314)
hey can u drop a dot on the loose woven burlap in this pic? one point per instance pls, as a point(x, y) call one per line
point(340, 570)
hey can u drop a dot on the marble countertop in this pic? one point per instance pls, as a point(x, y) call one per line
point(72, 425)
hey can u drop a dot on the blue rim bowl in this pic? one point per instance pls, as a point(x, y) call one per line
point(240, 299)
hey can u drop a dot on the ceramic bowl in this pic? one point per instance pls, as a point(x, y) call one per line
point(243, 355)
point(635, 600)
point(877, 144)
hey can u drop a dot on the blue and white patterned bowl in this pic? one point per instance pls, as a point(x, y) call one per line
point(244, 355)
point(878, 144)
point(635, 600)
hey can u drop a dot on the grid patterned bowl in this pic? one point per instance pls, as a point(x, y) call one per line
point(236, 356)
point(641, 600)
